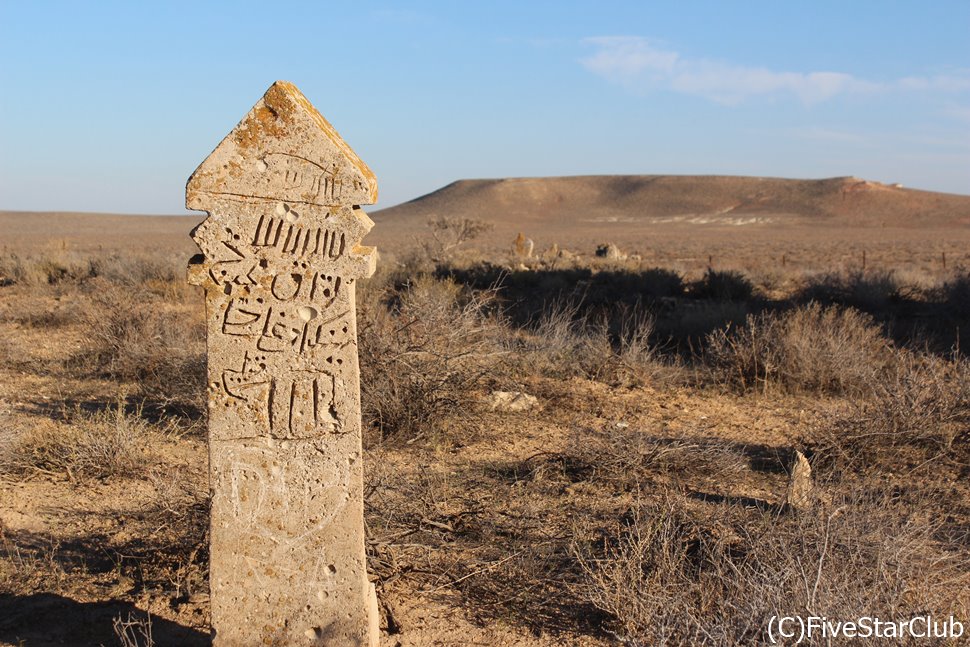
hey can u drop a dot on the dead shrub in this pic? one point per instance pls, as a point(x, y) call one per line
point(135, 337)
point(133, 631)
point(26, 569)
point(673, 575)
point(103, 444)
point(811, 348)
point(177, 520)
point(723, 285)
point(565, 342)
point(448, 234)
point(646, 579)
point(867, 290)
point(423, 354)
point(956, 295)
point(919, 412)
point(634, 358)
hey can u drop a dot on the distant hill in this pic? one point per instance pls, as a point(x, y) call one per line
point(637, 211)
point(646, 202)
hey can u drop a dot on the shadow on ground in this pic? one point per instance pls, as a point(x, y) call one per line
point(44, 619)
point(685, 311)
point(152, 411)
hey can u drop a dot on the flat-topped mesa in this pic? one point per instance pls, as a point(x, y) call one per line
point(280, 258)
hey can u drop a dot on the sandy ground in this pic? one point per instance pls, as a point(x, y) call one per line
point(88, 552)
point(85, 527)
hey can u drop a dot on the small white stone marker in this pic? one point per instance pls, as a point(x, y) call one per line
point(800, 496)
point(280, 258)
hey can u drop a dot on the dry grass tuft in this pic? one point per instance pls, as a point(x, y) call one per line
point(646, 579)
point(23, 569)
point(917, 414)
point(723, 285)
point(138, 338)
point(811, 348)
point(106, 443)
point(424, 352)
point(868, 290)
point(564, 342)
point(673, 576)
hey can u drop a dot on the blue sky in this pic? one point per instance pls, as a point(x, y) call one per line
point(109, 106)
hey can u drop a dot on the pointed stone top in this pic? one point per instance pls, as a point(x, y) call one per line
point(283, 150)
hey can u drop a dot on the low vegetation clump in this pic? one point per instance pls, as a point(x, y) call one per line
point(811, 348)
point(426, 348)
point(107, 443)
point(42, 269)
point(563, 343)
point(867, 290)
point(22, 569)
point(672, 576)
point(139, 338)
point(65, 267)
point(723, 285)
point(917, 416)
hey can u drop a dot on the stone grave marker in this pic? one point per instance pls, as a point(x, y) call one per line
point(281, 256)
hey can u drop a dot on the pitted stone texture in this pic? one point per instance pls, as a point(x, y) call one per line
point(281, 257)
point(800, 495)
point(283, 150)
point(522, 246)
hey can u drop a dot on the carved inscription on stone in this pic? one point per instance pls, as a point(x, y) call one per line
point(285, 314)
point(281, 254)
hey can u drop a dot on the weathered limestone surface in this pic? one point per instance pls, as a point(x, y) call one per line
point(800, 495)
point(522, 246)
point(280, 258)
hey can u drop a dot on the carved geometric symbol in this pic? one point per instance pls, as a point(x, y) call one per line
point(292, 238)
point(300, 404)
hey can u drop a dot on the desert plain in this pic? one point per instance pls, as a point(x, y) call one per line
point(562, 446)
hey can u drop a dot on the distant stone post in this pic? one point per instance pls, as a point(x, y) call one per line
point(280, 258)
